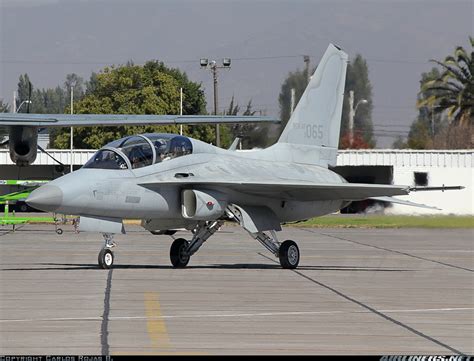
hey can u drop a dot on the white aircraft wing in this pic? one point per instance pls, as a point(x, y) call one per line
point(82, 120)
point(298, 191)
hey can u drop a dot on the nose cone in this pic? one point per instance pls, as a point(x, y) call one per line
point(47, 198)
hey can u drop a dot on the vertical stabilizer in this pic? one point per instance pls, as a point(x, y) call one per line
point(312, 133)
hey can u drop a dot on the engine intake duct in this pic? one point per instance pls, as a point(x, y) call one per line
point(202, 205)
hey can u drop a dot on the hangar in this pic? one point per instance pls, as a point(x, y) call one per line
point(384, 166)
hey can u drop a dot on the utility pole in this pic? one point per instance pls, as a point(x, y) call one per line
point(181, 109)
point(292, 101)
point(306, 61)
point(352, 112)
point(351, 118)
point(214, 77)
point(205, 63)
point(14, 102)
point(72, 131)
point(432, 123)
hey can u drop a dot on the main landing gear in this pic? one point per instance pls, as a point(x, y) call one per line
point(287, 252)
point(182, 250)
point(106, 256)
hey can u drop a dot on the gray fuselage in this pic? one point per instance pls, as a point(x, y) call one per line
point(117, 193)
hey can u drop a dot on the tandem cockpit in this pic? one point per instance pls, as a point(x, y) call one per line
point(137, 151)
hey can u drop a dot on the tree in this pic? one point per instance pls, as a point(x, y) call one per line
point(453, 89)
point(77, 83)
point(357, 80)
point(25, 88)
point(297, 80)
point(252, 135)
point(358, 142)
point(428, 123)
point(133, 89)
point(451, 93)
point(50, 100)
point(194, 103)
point(233, 108)
point(4, 107)
point(399, 143)
point(419, 136)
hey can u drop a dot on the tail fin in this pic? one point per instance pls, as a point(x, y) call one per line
point(313, 129)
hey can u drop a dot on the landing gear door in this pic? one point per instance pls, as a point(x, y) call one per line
point(102, 225)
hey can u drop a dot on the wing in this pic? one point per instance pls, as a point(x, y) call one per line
point(298, 191)
point(82, 120)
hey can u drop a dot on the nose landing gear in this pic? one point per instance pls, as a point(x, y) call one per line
point(106, 256)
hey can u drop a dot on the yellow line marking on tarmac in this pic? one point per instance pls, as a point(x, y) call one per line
point(156, 325)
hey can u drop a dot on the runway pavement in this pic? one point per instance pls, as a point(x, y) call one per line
point(357, 291)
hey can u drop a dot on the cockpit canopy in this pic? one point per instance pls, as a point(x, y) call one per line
point(139, 151)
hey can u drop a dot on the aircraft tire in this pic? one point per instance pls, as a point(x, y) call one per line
point(289, 255)
point(177, 256)
point(106, 258)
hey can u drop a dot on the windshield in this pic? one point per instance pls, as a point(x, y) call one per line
point(106, 159)
point(141, 151)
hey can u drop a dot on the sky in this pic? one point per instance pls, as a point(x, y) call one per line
point(266, 39)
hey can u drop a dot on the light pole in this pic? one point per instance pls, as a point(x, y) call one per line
point(352, 112)
point(23, 102)
point(205, 63)
point(72, 131)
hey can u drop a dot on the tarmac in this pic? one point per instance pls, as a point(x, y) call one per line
point(357, 291)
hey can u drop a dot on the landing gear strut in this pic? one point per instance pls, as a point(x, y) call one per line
point(106, 256)
point(287, 252)
point(182, 250)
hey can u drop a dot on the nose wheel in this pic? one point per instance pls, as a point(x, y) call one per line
point(106, 258)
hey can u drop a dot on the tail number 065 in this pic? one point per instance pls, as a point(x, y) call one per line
point(314, 131)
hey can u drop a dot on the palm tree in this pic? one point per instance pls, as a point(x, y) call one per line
point(453, 90)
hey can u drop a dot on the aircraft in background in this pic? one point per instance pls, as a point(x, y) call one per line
point(23, 128)
point(171, 181)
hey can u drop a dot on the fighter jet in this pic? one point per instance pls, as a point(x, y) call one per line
point(173, 182)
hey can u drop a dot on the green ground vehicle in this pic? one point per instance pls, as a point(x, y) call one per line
point(12, 199)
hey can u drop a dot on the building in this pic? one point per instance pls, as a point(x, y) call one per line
point(415, 168)
point(385, 166)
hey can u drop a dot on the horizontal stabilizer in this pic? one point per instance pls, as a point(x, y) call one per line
point(235, 144)
point(83, 120)
point(405, 203)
